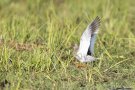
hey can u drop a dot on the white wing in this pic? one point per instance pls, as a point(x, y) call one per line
point(85, 41)
point(95, 27)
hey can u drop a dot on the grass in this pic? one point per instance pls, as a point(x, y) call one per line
point(37, 39)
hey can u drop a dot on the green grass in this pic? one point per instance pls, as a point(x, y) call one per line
point(37, 39)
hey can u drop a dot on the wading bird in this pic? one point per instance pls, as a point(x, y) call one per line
point(85, 51)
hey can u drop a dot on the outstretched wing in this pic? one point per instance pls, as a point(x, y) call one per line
point(94, 28)
point(86, 37)
point(84, 42)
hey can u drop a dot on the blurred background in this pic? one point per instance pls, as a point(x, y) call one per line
point(37, 39)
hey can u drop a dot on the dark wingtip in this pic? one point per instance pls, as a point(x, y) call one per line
point(98, 20)
point(95, 24)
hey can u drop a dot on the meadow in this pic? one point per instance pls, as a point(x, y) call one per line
point(37, 39)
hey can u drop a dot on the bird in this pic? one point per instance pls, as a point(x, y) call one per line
point(85, 51)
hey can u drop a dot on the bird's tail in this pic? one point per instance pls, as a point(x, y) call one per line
point(75, 49)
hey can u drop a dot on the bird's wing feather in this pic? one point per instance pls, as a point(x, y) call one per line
point(85, 41)
point(94, 28)
point(88, 34)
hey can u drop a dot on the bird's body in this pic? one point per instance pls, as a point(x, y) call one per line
point(85, 51)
